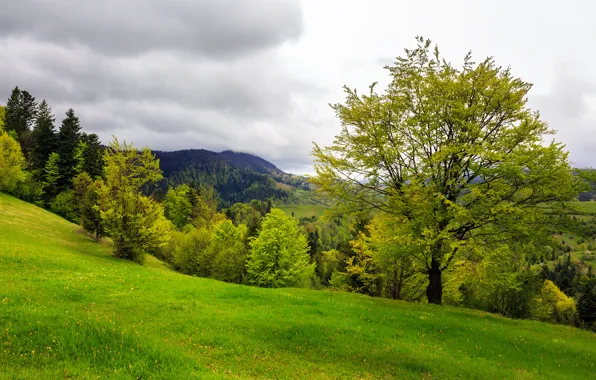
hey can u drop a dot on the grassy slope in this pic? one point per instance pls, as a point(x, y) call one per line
point(304, 211)
point(69, 309)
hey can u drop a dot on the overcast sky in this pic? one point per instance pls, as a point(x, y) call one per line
point(257, 76)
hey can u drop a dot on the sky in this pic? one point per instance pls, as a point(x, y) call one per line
point(258, 76)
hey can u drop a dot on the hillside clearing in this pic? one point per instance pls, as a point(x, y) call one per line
point(68, 309)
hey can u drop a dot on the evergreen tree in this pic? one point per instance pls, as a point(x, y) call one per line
point(90, 214)
point(69, 138)
point(12, 111)
point(44, 136)
point(93, 156)
point(51, 177)
point(586, 307)
point(21, 110)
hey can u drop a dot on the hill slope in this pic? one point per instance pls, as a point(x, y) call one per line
point(68, 309)
point(237, 177)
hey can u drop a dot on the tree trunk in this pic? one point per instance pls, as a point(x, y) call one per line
point(434, 290)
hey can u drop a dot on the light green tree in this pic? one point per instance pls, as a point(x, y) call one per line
point(12, 163)
point(51, 176)
point(79, 158)
point(453, 153)
point(279, 254)
point(89, 209)
point(2, 116)
point(177, 206)
point(136, 223)
point(229, 252)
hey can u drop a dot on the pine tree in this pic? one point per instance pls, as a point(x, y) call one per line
point(44, 135)
point(69, 138)
point(93, 156)
point(51, 177)
point(21, 110)
point(79, 158)
point(586, 307)
point(12, 111)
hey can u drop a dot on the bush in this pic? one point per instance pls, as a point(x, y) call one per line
point(194, 255)
point(553, 305)
point(65, 205)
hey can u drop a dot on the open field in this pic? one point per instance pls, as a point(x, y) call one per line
point(68, 309)
point(304, 211)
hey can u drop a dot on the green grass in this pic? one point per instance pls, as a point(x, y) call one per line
point(304, 211)
point(588, 207)
point(68, 309)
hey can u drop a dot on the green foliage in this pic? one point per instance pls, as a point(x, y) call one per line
point(194, 256)
point(89, 209)
point(12, 163)
point(2, 115)
point(279, 254)
point(455, 154)
point(44, 135)
point(51, 176)
point(19, 116)
point(136, 223)
point(64, 204)
point(229, 252)
point(178, 206)
point(586, 308)
point(69, 150)
point(92, 156)
point(79, 158)
point(553, 305)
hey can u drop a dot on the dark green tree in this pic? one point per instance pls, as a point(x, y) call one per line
point(586, 307)
point(69, 138)
point(21, 110)
point(44, 136)
point(93, 156)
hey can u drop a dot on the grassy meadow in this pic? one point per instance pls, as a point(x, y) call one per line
point(70, 310)
point(304, 211)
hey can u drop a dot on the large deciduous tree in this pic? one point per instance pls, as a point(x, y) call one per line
point(453, 153)
point(136, 223)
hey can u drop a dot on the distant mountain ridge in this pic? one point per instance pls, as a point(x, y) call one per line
point(237, 176)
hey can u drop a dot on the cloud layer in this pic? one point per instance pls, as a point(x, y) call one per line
point(171, 75)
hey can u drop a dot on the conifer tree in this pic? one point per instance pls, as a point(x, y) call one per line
point(93, 156)
point(51, 176)
point(21, 110)
point(69, 138)
point(44, 136)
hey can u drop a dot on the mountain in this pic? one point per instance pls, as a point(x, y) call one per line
point(237, 177)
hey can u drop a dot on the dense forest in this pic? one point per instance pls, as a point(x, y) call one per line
point(237, 177)
point(454, 202)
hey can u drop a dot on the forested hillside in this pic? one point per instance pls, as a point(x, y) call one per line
point(237, 177)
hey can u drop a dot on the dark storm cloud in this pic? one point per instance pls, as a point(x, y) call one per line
point(215, 28)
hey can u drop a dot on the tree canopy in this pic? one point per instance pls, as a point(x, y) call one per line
point(454, 154)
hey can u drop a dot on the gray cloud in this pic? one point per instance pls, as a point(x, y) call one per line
point(221, 28)
point(570, 109)
point(170, 75)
